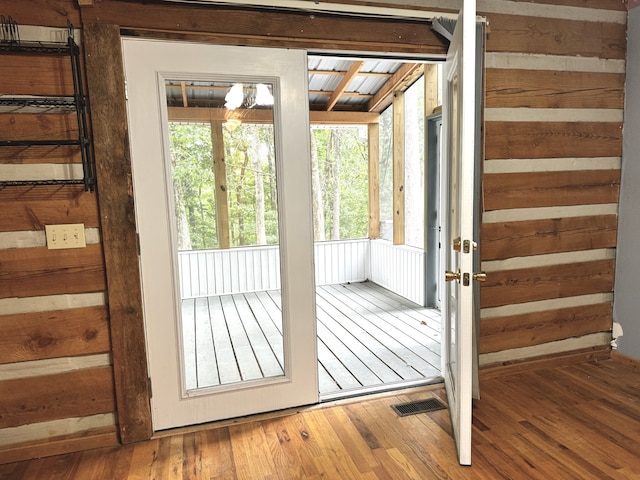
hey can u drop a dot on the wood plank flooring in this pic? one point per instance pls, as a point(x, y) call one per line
point(573, 422)
point(367, 337)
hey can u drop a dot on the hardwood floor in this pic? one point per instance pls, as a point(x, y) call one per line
point(573, 422)
point(367, 337)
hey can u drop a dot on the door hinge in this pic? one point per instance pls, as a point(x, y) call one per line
point(149, 387)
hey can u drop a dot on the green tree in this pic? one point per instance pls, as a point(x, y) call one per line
point(342, 158)
point(194, 199)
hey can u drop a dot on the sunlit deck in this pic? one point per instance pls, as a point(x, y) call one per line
point(367, 337)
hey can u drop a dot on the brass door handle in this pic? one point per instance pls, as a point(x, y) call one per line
point(480, 276)
point(450, 276)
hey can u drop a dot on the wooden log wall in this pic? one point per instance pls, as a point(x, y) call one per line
point(554, 96)
point(56, 377)
point(553, 134)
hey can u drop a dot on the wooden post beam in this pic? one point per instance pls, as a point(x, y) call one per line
point(183, 89)
point(430, 88)
point(220, 178)
point(105, 80)
point(398, 168)
point(374, 180)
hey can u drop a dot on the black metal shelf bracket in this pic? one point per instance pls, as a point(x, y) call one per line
point(10, 43)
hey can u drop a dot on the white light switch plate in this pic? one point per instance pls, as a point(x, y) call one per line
point(69, 235)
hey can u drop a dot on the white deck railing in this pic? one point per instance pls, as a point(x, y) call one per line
point(399, 268)
point(248, 269)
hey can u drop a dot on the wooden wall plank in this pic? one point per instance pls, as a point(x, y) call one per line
point(268, 27)
point(553, 89)
point(503, 333)
point(52, 13)
point(44, 126)
point(537, 237)
point(30, 272)
point(541, 283)
point(36, 75)
point(548, 36)
point(39, 399)
point(40, 154)
point(61, 333)
point(552, 139)
point(547, 189)
point(619, 5)
point(95, 438)
point(105, 77)
point(31, 208)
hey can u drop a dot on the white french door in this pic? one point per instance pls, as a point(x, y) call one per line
point(459, 245)
point(152, 67)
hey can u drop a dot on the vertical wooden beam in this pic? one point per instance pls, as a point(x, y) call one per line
point(220, 176)
point(430, 193)
point(430, 88)
point(183, 89)
point(374, 180)
point(398, 168)
point(105, 79)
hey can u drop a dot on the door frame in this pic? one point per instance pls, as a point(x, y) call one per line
point(102, 33)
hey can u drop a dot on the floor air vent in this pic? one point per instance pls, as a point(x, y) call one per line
point(419, 406)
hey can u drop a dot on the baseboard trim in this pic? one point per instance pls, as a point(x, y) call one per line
point(548, 361)
point(59, 445)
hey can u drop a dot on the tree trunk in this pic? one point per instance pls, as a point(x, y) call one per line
point(182, 223)
point(243, 169)
point(318, 208)
point(261, 235)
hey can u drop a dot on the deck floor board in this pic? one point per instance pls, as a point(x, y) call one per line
point(367, 337)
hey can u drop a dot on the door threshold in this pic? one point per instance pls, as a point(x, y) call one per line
point(387, 387)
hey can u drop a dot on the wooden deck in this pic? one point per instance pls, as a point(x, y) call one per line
point(368, 338)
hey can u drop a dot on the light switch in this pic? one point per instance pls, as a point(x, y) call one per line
point(69, 235)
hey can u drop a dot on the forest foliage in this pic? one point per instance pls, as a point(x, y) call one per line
point(340, 160)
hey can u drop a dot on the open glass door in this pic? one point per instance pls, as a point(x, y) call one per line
point(229, 310)
point(458, 243)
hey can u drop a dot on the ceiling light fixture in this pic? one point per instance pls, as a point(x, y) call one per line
point(263, 95)
point(234, 97)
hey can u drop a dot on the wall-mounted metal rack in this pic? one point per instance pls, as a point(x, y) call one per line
point(25, 104)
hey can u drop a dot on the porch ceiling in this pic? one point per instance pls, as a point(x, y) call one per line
point(335, 85)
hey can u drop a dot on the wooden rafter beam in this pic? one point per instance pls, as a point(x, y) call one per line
point(344, 83)
point(345, 94)
point(399, 81)
point(194, 114)
point(340, 72)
